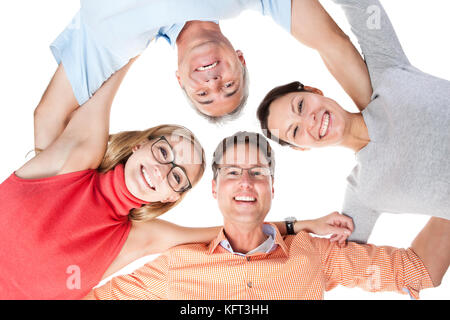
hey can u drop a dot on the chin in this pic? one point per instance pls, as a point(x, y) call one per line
point(135, 192)
point(246, 215)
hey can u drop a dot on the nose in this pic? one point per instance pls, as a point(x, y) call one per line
point(214, 80)
point(311, 120)
point(308, 122)
point(161, 171)
point(213, 77)
point(245, 182)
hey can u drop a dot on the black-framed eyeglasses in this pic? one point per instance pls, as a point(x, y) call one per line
point(177, 177)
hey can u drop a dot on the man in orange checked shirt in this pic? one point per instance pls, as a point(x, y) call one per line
point(249, 259)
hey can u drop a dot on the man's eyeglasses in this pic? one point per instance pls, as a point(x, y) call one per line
point(177, 177)
point(257, 173)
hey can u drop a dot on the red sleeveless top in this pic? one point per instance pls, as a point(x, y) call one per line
point(59, 234)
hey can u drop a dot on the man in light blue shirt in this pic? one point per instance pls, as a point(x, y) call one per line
point(105, 34)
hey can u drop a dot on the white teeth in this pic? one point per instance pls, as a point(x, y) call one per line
point(323, 129)
point(207, 67)
point(147, 178)
point(244, 199)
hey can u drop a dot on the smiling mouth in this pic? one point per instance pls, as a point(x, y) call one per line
point(147, 179)
point(208, 67)
point(244, 199)
point(324, 125)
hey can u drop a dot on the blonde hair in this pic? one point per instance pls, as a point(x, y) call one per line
point(120, 148)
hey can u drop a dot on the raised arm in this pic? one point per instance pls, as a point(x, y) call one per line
point(83, 141)
point(432, 245)
point(53, 112)
point(312, 26)
point(376, 36)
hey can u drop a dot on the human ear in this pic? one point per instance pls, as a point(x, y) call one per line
point(172, 198)
point(177, 74)
point(273, 191)
point(214, 190)
point(313, 90)
point(300, 148)
point(136, 147)
point(241, 56)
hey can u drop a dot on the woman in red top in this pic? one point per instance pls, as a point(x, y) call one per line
point(78, 211)
point(84, 206)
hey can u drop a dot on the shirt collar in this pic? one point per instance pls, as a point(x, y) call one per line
point(275, 239)
point(170, 33)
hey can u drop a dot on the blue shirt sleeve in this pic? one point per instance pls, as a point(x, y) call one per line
point(279, 10)
point(105, 34)
point(86, 62)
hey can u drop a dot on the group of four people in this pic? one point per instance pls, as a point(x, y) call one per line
point(104, 192)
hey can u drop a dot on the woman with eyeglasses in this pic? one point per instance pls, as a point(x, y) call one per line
point(79, 210)
point(87, 204)
point(401, 138)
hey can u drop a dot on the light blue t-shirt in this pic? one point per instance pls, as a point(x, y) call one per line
point(105, 34)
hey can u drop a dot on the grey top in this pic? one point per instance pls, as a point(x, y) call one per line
point(405, 168)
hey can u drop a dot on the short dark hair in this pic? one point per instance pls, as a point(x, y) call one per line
point(233, 114)
point(245, 137)
point(264, 107)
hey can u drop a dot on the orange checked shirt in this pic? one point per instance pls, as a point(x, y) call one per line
point(298, 267)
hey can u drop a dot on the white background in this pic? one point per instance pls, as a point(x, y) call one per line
point(307, 184)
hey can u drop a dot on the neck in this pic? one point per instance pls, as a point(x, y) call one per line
point(357, 135)
point(244, 238)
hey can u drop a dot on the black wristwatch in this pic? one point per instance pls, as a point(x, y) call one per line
point(290, 224)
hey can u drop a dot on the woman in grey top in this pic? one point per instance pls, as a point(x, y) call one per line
point(401, 138)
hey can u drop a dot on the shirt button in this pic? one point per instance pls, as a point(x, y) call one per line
point(249, 284)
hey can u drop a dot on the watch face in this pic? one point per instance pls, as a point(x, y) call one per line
point(290, 225)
